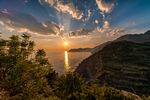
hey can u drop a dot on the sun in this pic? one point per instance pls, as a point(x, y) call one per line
point(66, 43)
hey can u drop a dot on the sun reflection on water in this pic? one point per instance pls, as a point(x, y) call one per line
point(66, 61)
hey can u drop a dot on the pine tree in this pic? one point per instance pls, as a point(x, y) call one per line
point(21, 77)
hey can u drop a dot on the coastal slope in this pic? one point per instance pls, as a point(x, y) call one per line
point(122, 64)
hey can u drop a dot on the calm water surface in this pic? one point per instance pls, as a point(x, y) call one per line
point(66, 61)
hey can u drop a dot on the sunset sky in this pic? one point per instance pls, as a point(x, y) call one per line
point(81, 23)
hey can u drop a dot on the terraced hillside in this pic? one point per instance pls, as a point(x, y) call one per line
point(124, 65)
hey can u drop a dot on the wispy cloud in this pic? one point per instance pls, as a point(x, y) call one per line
point(133, 30)
point(47, 39)
point(134, 24)
point(51, 15)
point(87, 39)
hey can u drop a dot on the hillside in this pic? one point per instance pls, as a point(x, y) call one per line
point(80, 50)
point(129, 37)
point(124, 65)
point(136, 37)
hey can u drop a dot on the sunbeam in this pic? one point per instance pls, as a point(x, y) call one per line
point(66, 61)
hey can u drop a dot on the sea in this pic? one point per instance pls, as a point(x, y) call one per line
point(63, 62)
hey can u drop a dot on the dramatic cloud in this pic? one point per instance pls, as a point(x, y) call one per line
point(21, 22)
point(65, 8)
point(105, 7)
point(96, 21)
point(115, 32)
point(82, 32)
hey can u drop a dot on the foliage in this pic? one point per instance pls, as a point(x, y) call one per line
point(123, 65)
point(69, 84)
point(23, 76)
point(145, 98)
point(27, 77)
point(126, 66)
point(96, 92)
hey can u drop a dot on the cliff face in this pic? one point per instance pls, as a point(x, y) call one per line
point(124, 65)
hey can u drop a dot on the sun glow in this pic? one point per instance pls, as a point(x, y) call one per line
point(66, 61)
point(66, 43)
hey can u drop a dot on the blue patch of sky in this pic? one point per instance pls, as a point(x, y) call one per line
point(15, 4)
point(130, 11)
point(40, 12)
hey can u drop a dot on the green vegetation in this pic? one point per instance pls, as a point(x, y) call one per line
point(129, 63)
point(21, 74)
point(124, 65)
point(25, 75)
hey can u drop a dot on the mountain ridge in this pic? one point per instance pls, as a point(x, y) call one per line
point(145, 37)
point(80, 50)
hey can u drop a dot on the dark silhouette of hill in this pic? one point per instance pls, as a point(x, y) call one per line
point(136, 37)
point(80, 50)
